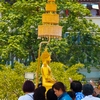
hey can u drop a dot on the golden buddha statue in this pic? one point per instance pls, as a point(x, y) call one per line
point(47, 78)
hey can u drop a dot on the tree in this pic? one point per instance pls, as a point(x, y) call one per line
point(13, 79)
point(81, 43)
point(18, 33)
point(18, 29)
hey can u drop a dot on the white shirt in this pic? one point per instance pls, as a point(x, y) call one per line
point(93, 12)
point(90, 97)
point(28, 96)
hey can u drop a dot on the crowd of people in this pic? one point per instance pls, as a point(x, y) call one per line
point(58, 91)
point(92, 10)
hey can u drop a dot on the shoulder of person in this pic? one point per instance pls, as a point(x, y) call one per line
point(26, 97)
point(21, 98)
point(66, 96)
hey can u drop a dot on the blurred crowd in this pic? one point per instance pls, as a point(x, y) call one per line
point(78, 91)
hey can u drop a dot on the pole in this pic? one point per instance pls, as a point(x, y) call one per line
point(38, 66)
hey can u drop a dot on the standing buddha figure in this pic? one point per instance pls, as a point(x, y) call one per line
point(47, 78)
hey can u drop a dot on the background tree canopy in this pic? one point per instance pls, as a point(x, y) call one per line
point(19, 27)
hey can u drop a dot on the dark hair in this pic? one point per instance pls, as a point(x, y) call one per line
point(51, 95)
point(89, 6)
point(76, 86)
point(58, 86)
point(39, 93)
point(72, 94)
point(88, 89)
point(40, 84)
point(28, 86)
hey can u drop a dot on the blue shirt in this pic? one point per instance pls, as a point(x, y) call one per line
point(64, 96)
point(79, 95)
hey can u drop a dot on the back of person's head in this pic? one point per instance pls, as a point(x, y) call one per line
point(39, 93)
point(28, 86)
point(51, 95)
point(88, 89)
point(59, 86)
point(40, 84)
point(89, 6)
point(72, 94)
point(76, 86)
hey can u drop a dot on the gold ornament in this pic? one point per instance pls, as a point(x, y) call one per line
point(45, 55)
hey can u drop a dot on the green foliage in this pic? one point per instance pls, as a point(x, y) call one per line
point(81, 44)
point(18, 33)
point(18, 28)
point(11, 80)
point(77, 49)
point(62, 72)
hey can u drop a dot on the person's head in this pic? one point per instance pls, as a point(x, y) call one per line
point(45, 57)
point(40, 84)
point(59, 88)
point(72, 94)
point(88, 89)
point(51, 95)
point(28, 86)
point(89, 6)
point(39, 93)
point(76, 86)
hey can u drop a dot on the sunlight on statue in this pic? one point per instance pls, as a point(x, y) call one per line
point(47, 78)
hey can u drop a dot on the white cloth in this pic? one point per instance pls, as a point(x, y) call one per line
point(93, 12)
point(90, 97)
point(28, 96)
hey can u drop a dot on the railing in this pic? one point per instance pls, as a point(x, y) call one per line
point(95, 19)
point(94, 74)
point(12, 60)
